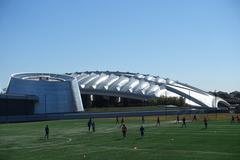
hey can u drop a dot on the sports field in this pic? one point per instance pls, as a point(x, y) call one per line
point(70, 140)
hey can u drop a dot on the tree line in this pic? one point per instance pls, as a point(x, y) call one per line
point(177, 101)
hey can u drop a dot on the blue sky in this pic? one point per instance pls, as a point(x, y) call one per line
point(195, 42)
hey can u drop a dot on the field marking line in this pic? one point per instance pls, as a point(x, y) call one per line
point(203, 152)
point(67, 140)
point(193, 133)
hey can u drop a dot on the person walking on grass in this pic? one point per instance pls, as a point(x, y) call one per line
point(184, 122)
point(142, 131)
point(158, 121)
point(46, 132)
point(124, 130)
point(205, 122)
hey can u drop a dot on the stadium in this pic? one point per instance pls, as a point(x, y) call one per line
point(72, 92)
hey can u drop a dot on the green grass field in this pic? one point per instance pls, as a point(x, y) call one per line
point(70, 140)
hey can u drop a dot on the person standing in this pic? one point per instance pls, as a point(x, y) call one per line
point(238, 119)
point(184, 122)
point(122, 122)
point(143, 120)
point(177, 121)
point(89, 124)
point(158, 121)
point(93, 126)
point(117, 121)
point(142, 131)
point(232, 120)
point(194, 118)
point(46, 132)
point(124, 130)
point(205, 122)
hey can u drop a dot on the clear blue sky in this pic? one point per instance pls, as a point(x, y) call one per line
point(196, 42)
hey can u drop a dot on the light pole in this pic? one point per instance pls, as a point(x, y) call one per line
point(165, 112)
point(215, 101)
point(215, 98)
point(45, 97)
point(189, 96)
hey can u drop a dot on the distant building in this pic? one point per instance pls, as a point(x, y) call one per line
point(69, 92)
point(126, 87)
point(56, 93)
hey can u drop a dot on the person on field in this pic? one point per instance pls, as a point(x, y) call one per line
point(89, 124)
point(93, 126)
point(143, 120)
point(46, 132)
point(122, 122)
point(177, 121)
point(232, 120)
point(238, 119)
point(124, 130)
point(205, 122)
point(142, 131)
point(184, 122)
point(194, 118)
point(158, 121)
point(117, 120)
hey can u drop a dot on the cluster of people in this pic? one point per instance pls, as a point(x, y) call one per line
point(205, 121)
point(124, 127)
point(124, 130)
point(91, 124)
point(141, 129)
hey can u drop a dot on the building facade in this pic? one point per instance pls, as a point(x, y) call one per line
point(56, 93)
point(66, 93)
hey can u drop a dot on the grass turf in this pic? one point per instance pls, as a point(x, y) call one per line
point(70, 140)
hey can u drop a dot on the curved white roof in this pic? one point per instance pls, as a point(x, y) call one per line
point(42, 76)
point(141, 86)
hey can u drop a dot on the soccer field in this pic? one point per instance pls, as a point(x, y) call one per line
point(70, 140)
